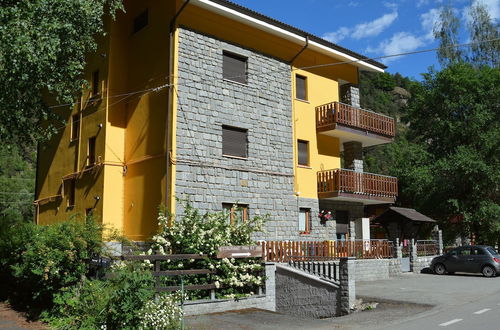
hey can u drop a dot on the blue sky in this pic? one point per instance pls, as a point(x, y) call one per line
point(373, 27)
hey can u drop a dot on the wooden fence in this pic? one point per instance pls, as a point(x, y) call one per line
point(285, 251)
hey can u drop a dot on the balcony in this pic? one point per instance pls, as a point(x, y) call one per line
point(349, 123)
point(348, 185)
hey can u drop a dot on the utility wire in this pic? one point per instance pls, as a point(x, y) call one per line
point(189, 82)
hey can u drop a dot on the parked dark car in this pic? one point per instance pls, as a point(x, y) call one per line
point(468, 259)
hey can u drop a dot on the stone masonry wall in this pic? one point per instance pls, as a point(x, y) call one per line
point(300, 294)
point(263, 181)
point(421, 263)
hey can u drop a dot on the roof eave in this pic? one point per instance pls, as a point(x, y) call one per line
point(272, 26)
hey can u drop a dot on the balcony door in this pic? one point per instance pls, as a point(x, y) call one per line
point(342, 225)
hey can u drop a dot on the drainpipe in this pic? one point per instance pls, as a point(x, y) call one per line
point(295, 187)
point(170, 102)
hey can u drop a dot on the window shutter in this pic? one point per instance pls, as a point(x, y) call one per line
point(303, 154)
point(234, 141)
point(234, 68)
point(300, 87)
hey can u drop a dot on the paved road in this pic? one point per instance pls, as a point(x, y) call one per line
point(422, 301)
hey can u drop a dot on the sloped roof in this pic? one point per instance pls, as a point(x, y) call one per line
point(292, 29)
point(408, 214)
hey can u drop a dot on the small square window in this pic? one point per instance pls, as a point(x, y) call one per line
point(234, 141)
point(95, 83)
point(75, 127)
point(141, 21)
point(237, 212)
point(301, 87)
point(70, 194)
point(91, 151)
point(303, 153)
point(305, 221)
point(234, 67)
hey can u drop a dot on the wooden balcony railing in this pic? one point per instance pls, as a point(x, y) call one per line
point(360, 183)
point(285, 251)
point(330, 114)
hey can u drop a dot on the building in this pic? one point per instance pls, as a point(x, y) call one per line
point(208, 100)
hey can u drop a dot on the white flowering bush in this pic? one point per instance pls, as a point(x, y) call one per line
point(161, 313)
point(194, 233)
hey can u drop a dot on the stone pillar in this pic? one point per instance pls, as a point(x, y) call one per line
point(349, 94)
point(413, 255)
point(398, 250)
point(270, 288)
point(347, 278)
point(353, 156)
point(437, 235)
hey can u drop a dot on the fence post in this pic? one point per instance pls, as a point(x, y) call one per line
point(270, 285)
point(438, 237)
point(413, 255)
point(347, 278)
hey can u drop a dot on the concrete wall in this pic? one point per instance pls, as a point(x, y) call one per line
point(300, 294)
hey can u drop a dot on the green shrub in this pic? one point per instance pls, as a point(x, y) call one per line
point(112, 303)
point(43, 260)
point(195, 233)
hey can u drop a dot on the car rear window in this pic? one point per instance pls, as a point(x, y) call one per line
point(491, 250)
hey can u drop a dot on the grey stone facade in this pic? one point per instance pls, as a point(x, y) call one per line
point(349, 94)
point(264, 180)
point(353, 156)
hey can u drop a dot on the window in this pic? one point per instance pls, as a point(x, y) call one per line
point(141, 21)
point(305, 221)
point(464, 252)
point(301, 87)
point(234, 141)
point(303, 152)
point(75, 127)
point(234, 67)
point(237, 212)
point(95, 83)
point(91, 151)
point(70, 196)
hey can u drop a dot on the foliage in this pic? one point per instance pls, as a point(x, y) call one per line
point(454, 118)
point(42, 260)
point(110, 303)
point(484, 32)
point(43, 44)
point(17, 180)
point(162, 313)
point(193, 233)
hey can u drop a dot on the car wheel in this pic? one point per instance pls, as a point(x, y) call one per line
point(440, 269)
point(489, 271)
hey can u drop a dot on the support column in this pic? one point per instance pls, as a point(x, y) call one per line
point(270, 286)
point(347, 278)
point(349, 94)
point(353, 156)
point(437, 235)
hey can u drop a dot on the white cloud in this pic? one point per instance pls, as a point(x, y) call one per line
point(353, 4)
point(363, 30)
point(421, 3)
point(400, 42)
point(428, 20)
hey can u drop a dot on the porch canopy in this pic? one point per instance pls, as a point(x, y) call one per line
point(402, 222)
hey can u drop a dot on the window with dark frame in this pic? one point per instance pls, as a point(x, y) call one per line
point(305, 221)
point(234, 67)
point(71, 185)
point(303, 153)
point(75, 127)
point(301, 87)
point(237, 212)
point(95, 83)
point(141, 21)
point(91, 151)
point(234, 141)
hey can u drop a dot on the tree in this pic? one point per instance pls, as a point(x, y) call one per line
point(454, 117)
point(43, 44)
point(482, 30)
point(446, 31)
